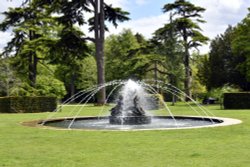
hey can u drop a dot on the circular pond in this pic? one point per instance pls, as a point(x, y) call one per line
point(157, 123)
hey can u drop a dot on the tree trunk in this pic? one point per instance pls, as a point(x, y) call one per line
point(72, 85)
point(172, 81)
point(156, 76)
point(188, 75)
point(99, 48)
point(33, 60)
point(32, 69)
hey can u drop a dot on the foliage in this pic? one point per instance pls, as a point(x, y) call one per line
point(223, 65)
point(203, 73)
point(221, 61)
point(46, 86)
point(185, 24)
point(8, 78)
point(241, 47)
point(122, 58)
point(219, 92)
point(69, 48)
point(197, 87)
point(85, 72)
point(165, 44)
point(32, 27)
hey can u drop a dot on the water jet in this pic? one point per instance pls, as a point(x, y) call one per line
point(130, 111)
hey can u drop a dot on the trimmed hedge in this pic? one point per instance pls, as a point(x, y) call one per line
point(237, 100)
point(27, 104)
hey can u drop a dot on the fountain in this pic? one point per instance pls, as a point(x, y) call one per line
point(128, 110)
point(131, 111)
point(133, 115)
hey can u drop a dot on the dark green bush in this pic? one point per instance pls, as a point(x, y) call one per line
point(236, 100)
point(27, 104)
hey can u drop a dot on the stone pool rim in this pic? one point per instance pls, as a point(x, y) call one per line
point(220, 122)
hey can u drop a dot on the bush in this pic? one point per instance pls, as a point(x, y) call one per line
point(236, 100)
point(218, 93)
point(27, 104)
point(45, 86)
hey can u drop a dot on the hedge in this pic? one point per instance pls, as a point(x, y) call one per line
point(236, 100)
point(27, 104)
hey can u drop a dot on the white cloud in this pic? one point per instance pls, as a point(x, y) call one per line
point(219, 14)
point(5, 37)
point(4, 6)
point(118, 3)
point(145, 26)
point(141, 2)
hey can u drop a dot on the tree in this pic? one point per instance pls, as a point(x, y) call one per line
point(204, 72)
point(187, 16)
point(69, 51)
point(103, 12)
point(31, 27)
point(8, 79)
point(221, 59)
point(73, 11)
point(167, 45)
point(221, 67)
point(83, 73)
point(122, 56)
point(241, 48)
point(31, 18)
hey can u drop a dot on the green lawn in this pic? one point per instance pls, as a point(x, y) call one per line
point(22, 146)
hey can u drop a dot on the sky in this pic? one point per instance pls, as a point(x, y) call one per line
point(146, 16)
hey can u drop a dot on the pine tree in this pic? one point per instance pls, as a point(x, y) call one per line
point(186, 19)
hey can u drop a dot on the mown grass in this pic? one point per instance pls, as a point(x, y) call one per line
point(22, 146)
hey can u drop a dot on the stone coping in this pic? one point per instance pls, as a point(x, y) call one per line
point(223, 122)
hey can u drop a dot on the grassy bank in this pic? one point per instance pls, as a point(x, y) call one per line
point(22, 146)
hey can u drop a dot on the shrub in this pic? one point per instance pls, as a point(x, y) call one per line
point(236, 101)
point(218, 93)
point(45, 86)
point(27, 104)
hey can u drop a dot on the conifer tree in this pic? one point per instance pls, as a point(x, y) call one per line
point(186, 17)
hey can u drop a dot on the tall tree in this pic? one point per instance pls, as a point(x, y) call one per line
point(103, 12)
point(226, 63)
point(221, 59)
point(186, 19)
point(241, 48)
point(70, 13)
point(31, 26)
point(69, 51)
point(74, 11)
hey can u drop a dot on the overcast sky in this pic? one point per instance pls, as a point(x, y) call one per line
point(146, 16)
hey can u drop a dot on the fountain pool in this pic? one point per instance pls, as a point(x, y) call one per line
point(130, 111)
